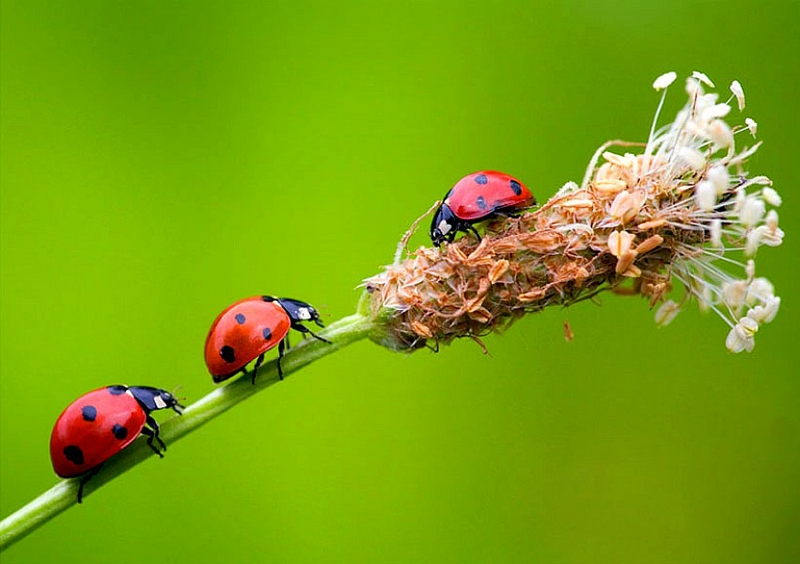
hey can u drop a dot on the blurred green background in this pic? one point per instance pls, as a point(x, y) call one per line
point(162, 159)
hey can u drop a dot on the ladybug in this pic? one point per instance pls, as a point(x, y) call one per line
point(98, 425)
point(249, 328)
point(481, 195)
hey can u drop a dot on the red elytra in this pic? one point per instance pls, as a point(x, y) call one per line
point(101, 423)
point(247, 329)
point(84, 437)
point(483, 193)
point(476, 197)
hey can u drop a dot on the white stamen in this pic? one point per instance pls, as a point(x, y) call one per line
point(752, 212)
point(719, 177)
point(665, 80)
point(738, 91)
point(772, 221)
point(771, 196)
point(734, 293)
point(720, 133)
point(706, 195)
point(693, 158)
point(752, 126)
point(716, 111)
point(703, 78)
point(716, 233)
point(666, 313)
point(750, 269)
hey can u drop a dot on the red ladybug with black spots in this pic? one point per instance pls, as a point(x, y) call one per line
point(101, 423)
point(247, 329)
point(481, 195)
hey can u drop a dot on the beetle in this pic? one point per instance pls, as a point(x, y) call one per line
point(247, 329)
point(101, 423)
point(476, 197)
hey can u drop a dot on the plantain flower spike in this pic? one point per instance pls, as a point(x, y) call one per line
point(680, 209)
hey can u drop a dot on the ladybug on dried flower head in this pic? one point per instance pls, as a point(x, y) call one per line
point(476, 197)
point(247, 329)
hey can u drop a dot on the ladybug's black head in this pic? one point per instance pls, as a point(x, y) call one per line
point(152, 399)
point(299, 311)
point(443, 226)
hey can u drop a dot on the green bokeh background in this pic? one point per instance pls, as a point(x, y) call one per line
point(161, 160)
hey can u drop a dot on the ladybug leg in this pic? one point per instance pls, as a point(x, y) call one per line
point(256, 366)
point(306, 331)
point(471, 228)
point(92, 473)
point(152, 434)
point(281, 352)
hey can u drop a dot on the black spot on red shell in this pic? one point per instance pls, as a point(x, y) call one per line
point(117, 390)
point(89, 413)
point(240, 318)
point(119, 431)
point(481, 203)
point(481, 179)
point(516, 187)
point(267, 333)
point(74, 454)
point(228, 354)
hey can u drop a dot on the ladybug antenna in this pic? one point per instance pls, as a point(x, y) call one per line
point(175, 391)
point(402, 246)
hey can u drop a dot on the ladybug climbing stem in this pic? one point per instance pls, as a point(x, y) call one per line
point(63, 494)
point(247, 329)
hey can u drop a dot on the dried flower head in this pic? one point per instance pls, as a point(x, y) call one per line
point(683, 208)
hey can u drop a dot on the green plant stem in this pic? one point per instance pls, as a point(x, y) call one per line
point(64, 493)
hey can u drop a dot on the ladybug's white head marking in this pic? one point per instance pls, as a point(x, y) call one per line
point(444, 227)
point(304, 313)
point(160, 403)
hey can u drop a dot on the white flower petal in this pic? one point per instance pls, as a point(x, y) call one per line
point(760, 290)
point(741, 336)
point(763, 314)
point(771, 238)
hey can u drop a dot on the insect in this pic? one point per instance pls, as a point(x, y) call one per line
point(481, 195)
point(99, 424)
point(249, 328)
